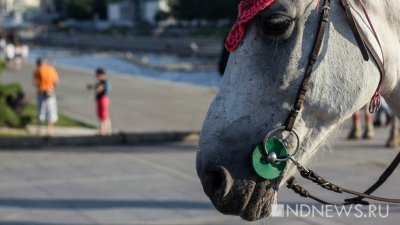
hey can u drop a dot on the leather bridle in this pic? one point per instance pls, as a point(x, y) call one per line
point(363, 44)
point(366, 49)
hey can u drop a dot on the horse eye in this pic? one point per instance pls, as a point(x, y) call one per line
point(277, 25)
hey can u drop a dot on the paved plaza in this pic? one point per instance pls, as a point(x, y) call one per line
point(157, 185)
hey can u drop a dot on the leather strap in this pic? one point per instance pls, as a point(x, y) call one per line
point(354, 28)
point(301, 95)
point(382, 179)
point(296, 187)
point(312, 176)
point(366, 49)
point(376, 58)
point(363, 43)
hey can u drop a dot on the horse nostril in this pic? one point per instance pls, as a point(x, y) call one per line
point(217, 182)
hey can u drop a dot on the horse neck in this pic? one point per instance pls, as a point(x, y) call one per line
point(386, 19)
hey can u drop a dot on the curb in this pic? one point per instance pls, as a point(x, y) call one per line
point(121, 139)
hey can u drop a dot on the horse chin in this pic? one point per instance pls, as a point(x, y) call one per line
point(261, 202)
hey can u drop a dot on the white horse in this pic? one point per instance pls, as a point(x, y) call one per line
point(261, 82)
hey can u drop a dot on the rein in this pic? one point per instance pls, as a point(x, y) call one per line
point(269, 158)
point(312, 176)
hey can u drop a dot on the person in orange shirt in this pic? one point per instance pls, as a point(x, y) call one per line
point(45, 79)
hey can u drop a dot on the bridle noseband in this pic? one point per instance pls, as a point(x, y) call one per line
point(269, 158)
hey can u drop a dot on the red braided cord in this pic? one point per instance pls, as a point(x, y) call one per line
point(375, 103)
point(372, 28)
point(248, 9)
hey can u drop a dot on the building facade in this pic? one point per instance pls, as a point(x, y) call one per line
point(152, 7)
point(136, 11)
point(121, 12)
point(10, 6)
point(12, 11)
point(48, 6)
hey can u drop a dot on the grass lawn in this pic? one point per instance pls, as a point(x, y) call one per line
point(63, 120)
point(30, 110)
point(13, 123)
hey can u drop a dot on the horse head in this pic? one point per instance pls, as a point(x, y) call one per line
point(260, 84)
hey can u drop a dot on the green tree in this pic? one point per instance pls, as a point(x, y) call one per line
point(203, 9)
point(2, 63)
point(185, 9)
point(231, 9)
point(79, 9)
point(86, 9)
point(100, 8)
point(161, 15)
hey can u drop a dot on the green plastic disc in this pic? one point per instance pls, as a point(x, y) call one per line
point(269, 171)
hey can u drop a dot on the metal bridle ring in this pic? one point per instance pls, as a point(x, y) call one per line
point(326, 7)
point(282, 128)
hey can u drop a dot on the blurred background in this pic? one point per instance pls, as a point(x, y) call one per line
point(167, 40)
point(161, 62)
point(130, 82)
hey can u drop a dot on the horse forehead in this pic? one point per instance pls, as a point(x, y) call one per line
point(284, 4)
point(249, 9)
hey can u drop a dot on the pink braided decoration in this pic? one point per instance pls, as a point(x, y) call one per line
point(248, 9)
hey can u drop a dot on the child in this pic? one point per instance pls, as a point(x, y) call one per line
point(102, 101)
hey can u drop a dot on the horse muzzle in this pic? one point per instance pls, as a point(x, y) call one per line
point(249, 199)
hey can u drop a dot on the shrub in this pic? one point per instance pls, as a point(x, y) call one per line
point(19, 118)
point(8, 117)
point(9, 90)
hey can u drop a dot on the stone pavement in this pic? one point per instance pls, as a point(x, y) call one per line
point(157, 185)
point(58, 131)
point(137, 104)
point(65, 131)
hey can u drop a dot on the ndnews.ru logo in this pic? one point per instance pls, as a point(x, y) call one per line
point(330, 211)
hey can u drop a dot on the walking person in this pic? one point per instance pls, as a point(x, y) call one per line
point(18, 57)
point(3, 44)
point(10, 55)
point(45, 79)
point(102, 89)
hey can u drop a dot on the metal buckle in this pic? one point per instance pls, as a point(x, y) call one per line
point(282, 128)
point(295, 110)
point(326, 8)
